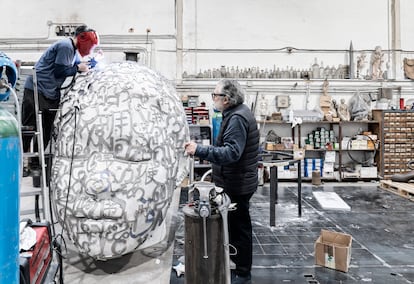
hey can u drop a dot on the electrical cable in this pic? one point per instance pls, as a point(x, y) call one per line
point(52, 221)
point(22, 278)
point(60, 235)
point(70, 85)
point(70, 178)
point(19, 123)
point(72, 82)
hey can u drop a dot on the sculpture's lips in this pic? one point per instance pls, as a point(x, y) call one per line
point(98, 226)
point(97, 209)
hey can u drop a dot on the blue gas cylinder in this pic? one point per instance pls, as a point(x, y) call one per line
point(10, 173)
point(216, 123)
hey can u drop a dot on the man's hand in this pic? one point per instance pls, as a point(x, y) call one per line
point(83, 67)
point(190, 148)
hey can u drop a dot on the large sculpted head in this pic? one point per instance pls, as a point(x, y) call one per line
point(119, 157)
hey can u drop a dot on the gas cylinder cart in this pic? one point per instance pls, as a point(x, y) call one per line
point(207, 248)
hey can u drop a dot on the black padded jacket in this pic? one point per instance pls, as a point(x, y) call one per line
point(234, 158)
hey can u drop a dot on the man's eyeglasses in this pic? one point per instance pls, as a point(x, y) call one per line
point(213, 95)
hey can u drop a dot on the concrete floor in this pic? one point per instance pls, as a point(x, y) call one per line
point(380, 223)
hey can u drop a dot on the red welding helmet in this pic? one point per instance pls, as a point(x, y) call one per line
point(86, 40)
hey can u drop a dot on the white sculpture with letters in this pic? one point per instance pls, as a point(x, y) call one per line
point(119, 157)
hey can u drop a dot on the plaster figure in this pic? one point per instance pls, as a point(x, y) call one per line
point(334, 107)
point(361, 62)
point(343, 111)
point(377, 59)
point(325, 87)
point(325, 101)
point(118, 159)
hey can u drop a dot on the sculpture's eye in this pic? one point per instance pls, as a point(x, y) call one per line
point(132, 152)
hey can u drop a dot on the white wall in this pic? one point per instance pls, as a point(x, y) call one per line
point(27, 28)
point(407, 27)
point(29, 18)
point(254, 30)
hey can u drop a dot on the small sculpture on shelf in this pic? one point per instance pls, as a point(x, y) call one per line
point(343, 111)
point(326, 104)
point(334, 108)
point(361, 62)
point(377, 59)
point(325, 87)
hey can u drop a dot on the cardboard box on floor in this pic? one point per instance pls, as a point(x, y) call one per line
point(333, 250)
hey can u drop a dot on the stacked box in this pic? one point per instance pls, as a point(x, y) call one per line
point(329, 164)
point(311, 164)
point(368, 172)
point(320, 137)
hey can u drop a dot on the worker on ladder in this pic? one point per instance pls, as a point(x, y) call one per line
point(61, 60)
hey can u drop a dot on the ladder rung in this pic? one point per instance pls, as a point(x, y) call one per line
point(29, 155)
point(30, 211)
point(31, 193)
point(27, 128)
point(30, 133)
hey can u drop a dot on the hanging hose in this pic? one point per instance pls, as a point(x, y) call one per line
point(19, 120)
point(206, 174)
point(224, 209)
point(348, 148)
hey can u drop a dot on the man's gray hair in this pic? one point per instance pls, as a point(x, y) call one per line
point(233, 91)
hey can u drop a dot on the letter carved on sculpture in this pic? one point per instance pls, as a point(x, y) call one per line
point(118, 159)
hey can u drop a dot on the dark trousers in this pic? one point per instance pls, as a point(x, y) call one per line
point(240, 234)
point(48, 108)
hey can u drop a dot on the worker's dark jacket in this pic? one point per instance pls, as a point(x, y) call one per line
point(235, 156)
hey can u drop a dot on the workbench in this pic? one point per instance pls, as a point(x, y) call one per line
point(273, 165)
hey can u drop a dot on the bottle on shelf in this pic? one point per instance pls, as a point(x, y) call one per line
point(291, 115)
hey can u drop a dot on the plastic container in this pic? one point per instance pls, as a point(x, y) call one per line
point(216, 123)
point(402, 105)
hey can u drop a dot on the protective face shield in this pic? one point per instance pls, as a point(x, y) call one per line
point(86, 41)
point(119, 157)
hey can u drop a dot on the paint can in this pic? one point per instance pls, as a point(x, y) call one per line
point(316, 178)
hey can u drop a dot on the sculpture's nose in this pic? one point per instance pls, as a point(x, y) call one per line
point(98, 183)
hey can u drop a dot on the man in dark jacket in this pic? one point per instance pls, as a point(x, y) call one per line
point(234, 160)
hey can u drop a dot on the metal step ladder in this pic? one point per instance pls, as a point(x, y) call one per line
point(41, 192)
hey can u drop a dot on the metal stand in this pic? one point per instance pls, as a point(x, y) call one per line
point(207, 257)
point(273, 164)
